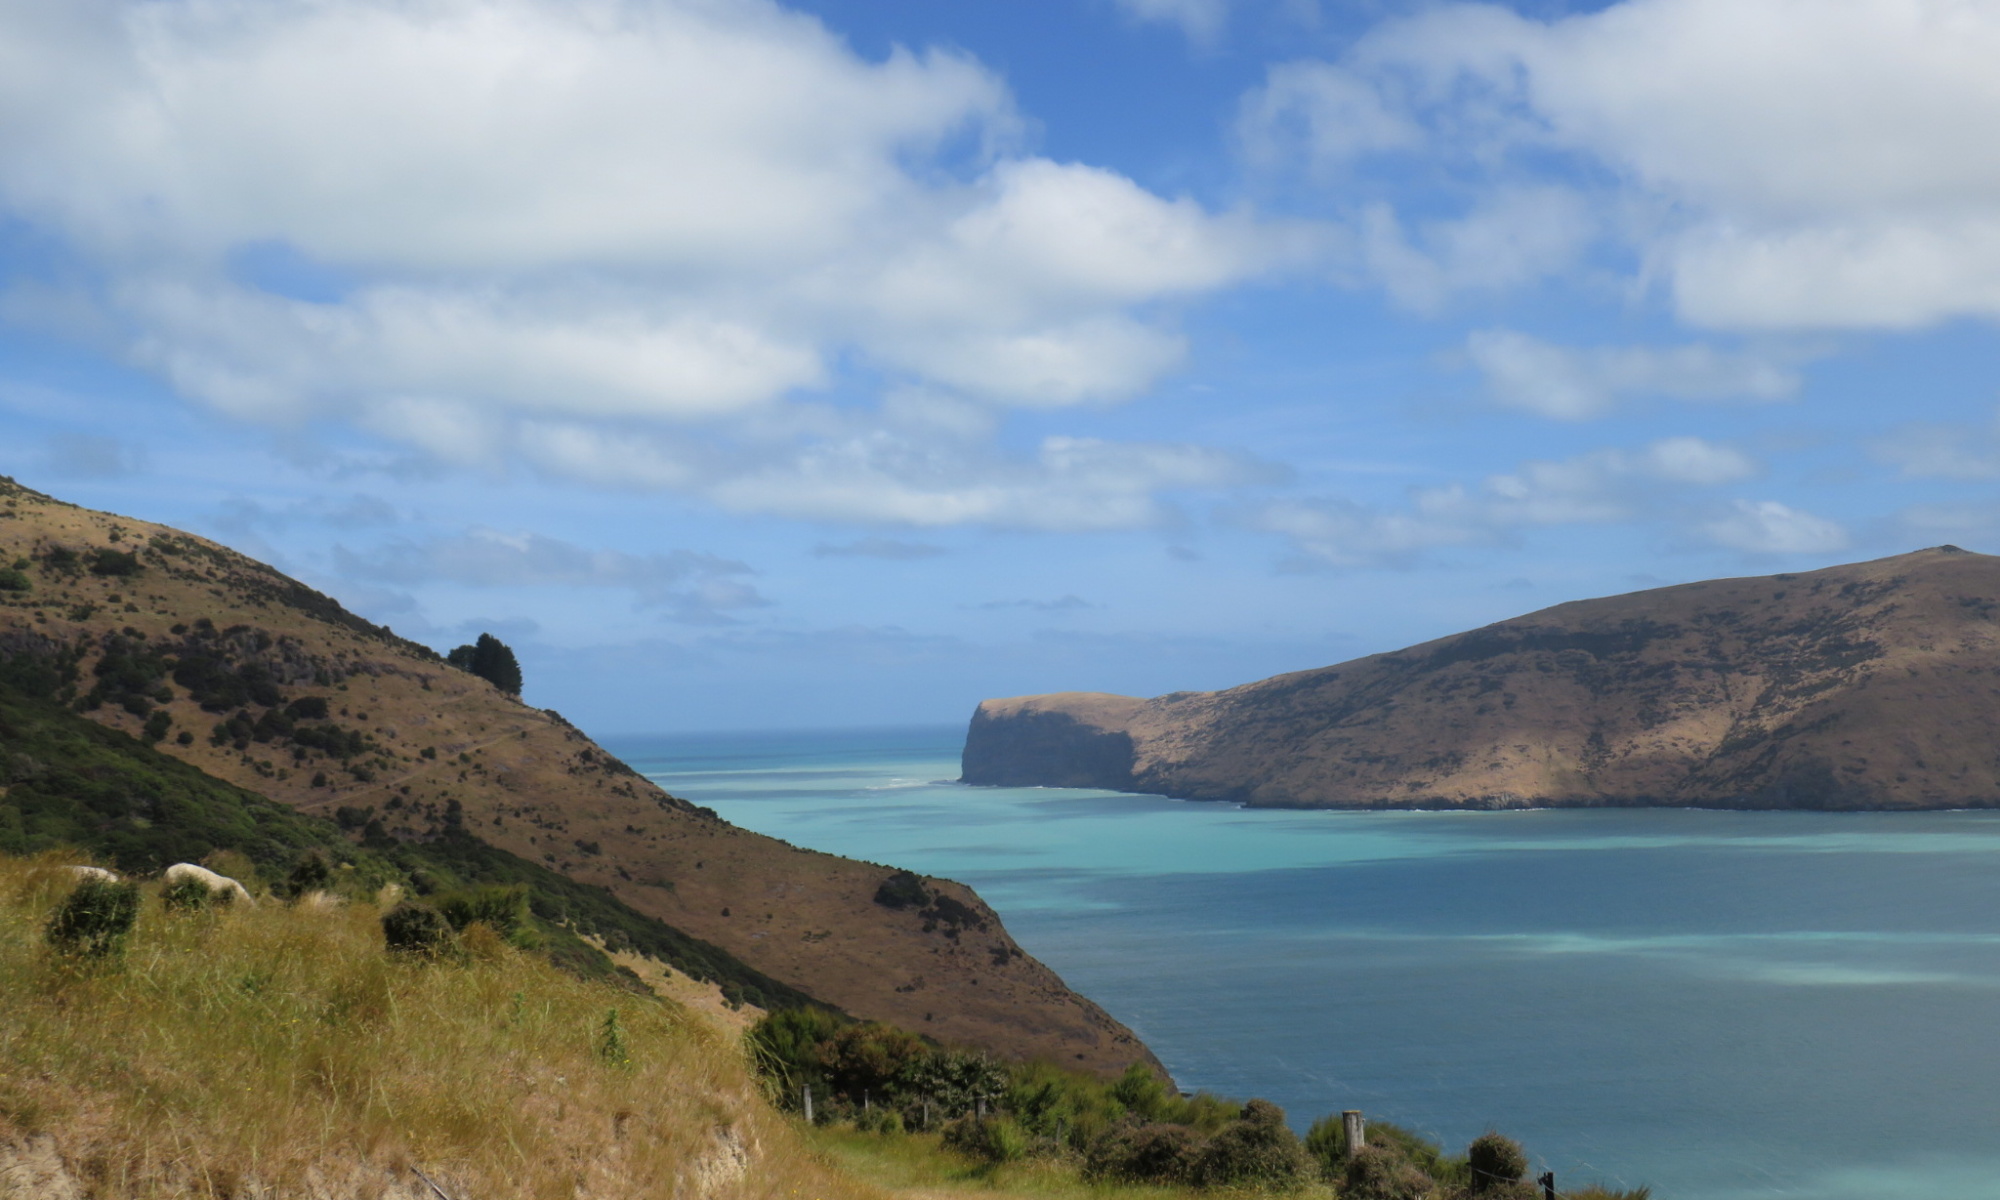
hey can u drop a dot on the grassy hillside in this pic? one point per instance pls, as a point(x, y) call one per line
point(282, 1047)
point(227, 665)
point(69, 782)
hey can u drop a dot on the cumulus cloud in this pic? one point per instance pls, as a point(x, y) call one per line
point(454, 222)
point(1779, 164)
point(1570, 383)
point(1768, 527)
point(689, 586)
point(1600, 487)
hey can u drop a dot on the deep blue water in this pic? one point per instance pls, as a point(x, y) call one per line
point(1721, 1005)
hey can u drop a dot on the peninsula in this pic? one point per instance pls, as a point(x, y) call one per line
point(1872, 685)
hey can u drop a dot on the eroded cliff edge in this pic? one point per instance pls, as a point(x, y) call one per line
point(1873, 685)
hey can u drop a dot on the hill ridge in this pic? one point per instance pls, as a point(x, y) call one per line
point(262, 682)
point(1872, 685)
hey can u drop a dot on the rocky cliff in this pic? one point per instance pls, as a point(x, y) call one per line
point(1869, 686)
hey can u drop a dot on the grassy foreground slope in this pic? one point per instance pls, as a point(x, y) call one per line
point(280, 1051)
point(260, 681)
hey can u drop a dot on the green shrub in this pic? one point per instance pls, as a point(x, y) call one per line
point(997, 1139)
point(116, 563)
point(13, 580)
point(611, 1044)
point(879, 1119)
point(1257, 1148)
point(1381, 1173)
point(157, 726)
point(1494, 1162)
point(901, 890)
point(94, 920)
point(192, 895)
point(311, 873)
point(501, 908)
point(417, 930)
point(1143, 1152)
point(873, 1060)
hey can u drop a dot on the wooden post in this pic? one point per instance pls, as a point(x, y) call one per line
point(1548, 1182)
point(809, 1104)
point(982, 1110)
point(927, 1114)
point(1357, 1129)
point(864, 1100)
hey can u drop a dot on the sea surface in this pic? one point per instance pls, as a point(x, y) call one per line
point(1720, 1005)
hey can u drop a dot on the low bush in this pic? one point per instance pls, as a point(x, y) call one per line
point(997, 1139)
point(1257, 1148)
point(1495, 1162)
point(94, 920)
point(417, 930)
point(1143, 1152)
point(1381, 1173)
point(879, 1119)
point(12, 580)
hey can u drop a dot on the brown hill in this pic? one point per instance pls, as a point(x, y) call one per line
point(216, 649)
point(1874, 685)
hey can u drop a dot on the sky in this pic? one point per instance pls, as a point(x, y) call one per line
point(845, 362)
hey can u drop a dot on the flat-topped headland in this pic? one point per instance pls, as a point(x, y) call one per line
point(1873, 685)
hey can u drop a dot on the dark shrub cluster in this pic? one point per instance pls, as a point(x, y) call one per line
point(903, 889)
point(491, 660)
point(417, 930)
point(13, 579)
point(94, 920)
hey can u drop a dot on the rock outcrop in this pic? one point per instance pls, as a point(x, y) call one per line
point(1869, 686)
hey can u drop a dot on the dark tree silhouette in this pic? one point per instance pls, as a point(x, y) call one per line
point(491, 660)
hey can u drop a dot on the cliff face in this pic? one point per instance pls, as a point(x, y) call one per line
point(165, 626)
point(1869, 686)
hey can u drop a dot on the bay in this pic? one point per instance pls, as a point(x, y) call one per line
point(1723, 1006)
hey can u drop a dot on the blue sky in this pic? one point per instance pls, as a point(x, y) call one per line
point(750, 365)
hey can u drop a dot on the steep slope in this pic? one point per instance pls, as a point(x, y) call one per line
point(264, 683)
point(1872, 685)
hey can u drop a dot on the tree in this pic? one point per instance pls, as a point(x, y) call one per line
point(491, 660)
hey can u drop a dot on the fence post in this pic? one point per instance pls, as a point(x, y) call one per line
point(809, 1104)
point(1357, 1129)
point(1548, 1182)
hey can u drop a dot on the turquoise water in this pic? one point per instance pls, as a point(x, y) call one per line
point(1720, 1005)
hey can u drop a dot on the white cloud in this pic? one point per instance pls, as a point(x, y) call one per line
point(1600, 487)
point(1768, 527)
point(679, 215)
point(693, 587)
point(1779, 164)
point(1573, 384)
point(1200, 20)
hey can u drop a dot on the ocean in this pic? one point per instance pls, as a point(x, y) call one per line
point(1722, 1006)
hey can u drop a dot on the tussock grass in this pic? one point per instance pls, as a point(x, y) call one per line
point(280, 1049)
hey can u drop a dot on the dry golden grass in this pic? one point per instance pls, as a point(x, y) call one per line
point(280, 1051)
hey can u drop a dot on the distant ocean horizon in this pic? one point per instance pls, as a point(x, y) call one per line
point(1722, 1005)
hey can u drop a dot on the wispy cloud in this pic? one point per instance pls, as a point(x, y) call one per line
point(689, 586)
point(1571, 383)
point(879, 547)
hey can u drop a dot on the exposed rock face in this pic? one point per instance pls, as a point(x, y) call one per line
point(224, 642)
point(1869, 686)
